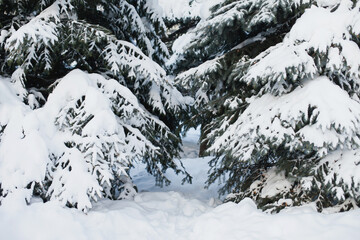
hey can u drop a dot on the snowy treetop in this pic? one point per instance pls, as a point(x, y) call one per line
point(234, 21)
point(36, 45)
point(319, 43)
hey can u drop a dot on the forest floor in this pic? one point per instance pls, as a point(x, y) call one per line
point(173, 212)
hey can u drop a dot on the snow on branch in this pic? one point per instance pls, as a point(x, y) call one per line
point(57, 31)
point(320, 43)
point(319, 114)
point(86, 136)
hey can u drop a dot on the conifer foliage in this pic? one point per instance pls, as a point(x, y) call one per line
point(71, 135)
point(281, 84)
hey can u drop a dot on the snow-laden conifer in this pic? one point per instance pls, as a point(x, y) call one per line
point(285, 125)
point(90, 127)
point(78, 147)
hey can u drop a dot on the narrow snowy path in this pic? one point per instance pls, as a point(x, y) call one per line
point(172, 213)
point(197, 167)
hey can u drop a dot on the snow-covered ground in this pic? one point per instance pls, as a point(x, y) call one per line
point(174, 212)
point(197, 167)
point(171, 215)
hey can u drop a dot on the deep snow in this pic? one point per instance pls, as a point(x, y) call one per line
point(170, 215)
point(174, 212)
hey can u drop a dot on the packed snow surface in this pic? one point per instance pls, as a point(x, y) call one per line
point(172, 215)
point(173, 212)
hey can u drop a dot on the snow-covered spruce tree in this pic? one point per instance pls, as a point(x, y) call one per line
point(90, 128)
point(234, 30)
point(286, 121)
